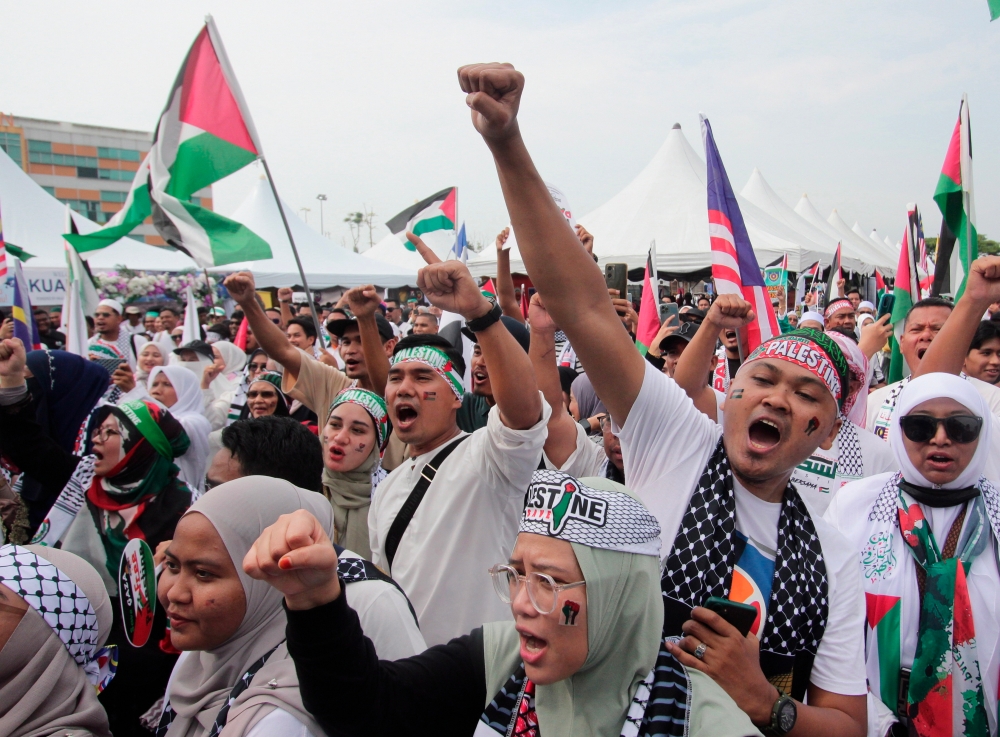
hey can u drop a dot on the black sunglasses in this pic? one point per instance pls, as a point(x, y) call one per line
point(959, 428)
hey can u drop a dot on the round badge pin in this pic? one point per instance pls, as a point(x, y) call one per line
point(137, 591)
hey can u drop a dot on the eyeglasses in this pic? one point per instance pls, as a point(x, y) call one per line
point(959, 428)
point(103, 434)
point(254, 367)
point(543, 591)
point(276, 320)
point(176, 338)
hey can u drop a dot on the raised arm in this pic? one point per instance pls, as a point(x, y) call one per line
point(505, 284)
point(727, 312)
point(242, 288)
point(560, 267)
point(561, 440)
point(950, 346)
point(285, 295)
point(363, 302)
point(450, 286)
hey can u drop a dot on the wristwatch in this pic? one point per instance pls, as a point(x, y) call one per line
point(783, 716)
point(481, 323)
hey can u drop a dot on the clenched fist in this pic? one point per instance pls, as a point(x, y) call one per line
point(494, 94)
point(729, 312)
point(241, 286)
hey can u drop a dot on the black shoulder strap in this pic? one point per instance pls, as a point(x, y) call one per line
point(416, 496)
point(351, 570)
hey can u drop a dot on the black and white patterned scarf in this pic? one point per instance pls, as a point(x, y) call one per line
point(850, 461)
point(701, 563)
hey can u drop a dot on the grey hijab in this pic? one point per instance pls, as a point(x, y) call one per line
point(586, 398)
point(202, 680)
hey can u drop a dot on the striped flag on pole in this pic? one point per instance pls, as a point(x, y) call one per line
point(24, 321)
point(836, 274)
point(734, 264)
point(3, 251)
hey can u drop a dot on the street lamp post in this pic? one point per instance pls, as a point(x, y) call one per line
point(305, 211)
point(322, 199)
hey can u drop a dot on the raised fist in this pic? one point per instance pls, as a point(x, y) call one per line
point(241, 286)
point(729, 312)
point(538, 316)
point(502, 237)
point(585, 238)
point(363, 301)
point(983, 284)
point(494, 94)
point(285, 294)
point(448, 285)
point(12, 360)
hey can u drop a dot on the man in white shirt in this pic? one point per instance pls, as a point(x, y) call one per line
point(467, 519)
point(720, 503)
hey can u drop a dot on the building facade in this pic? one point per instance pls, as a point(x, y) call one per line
point(86, 166)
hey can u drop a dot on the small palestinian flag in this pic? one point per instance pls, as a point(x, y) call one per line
point(907, 293)
point(437, 212)
point(649, 314)
point(489, 288)
point(205, 133)
point(883, 641)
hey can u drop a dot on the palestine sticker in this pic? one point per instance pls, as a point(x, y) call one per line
point(137, 591)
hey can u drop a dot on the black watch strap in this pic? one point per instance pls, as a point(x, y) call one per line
point(481, 323)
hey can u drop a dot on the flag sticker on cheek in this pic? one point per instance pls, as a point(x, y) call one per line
point(813, 426)
point(430, 396)
point(737, 394)
point(569, 611)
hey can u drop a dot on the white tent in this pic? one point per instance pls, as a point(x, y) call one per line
point(760, 193)
point(390, 250)
point(667, 202)
point(860, 241)
point(325, 263)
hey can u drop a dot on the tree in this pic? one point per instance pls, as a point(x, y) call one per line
point(987, 247)
point(365, 217)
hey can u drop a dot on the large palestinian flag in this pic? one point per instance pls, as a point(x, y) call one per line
point(205, 133)
point(954, 198)
point(437, 212)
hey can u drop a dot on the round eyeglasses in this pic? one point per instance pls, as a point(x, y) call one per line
point(543, 591)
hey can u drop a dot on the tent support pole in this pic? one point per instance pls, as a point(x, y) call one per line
point(295, 251)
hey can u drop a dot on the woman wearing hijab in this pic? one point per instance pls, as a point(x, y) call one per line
point(264, 397)
point(932, 630)
point(52, 666)
point(65, 389)
point(582, 657)
point(236, 672)
point(149, 355)
point(177, 389)
point(256, 363)
point(585, 406)
point(354, 439)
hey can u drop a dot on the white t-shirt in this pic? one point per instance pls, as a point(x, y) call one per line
point(666, 443)
point(279, 723)
point(466, 523)
point(587, 459)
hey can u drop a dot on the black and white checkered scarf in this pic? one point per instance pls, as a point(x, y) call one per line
point(701, 563)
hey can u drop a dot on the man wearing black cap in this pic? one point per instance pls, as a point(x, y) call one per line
point(476, 404)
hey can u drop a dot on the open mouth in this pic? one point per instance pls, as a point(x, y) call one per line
point(730, 335)
point(351, 364)
point(764, 435)
point(480, 377)
point(336, 453)
point(920, 353)
point(406, 415)
point(532, 648)
point(940, 461)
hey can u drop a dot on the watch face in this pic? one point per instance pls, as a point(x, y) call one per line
point(786, 716)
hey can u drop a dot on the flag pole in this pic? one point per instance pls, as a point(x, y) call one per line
point(295, 251)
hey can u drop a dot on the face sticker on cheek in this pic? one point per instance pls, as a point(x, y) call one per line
point(362, 446)
point(569, 611)
point(430, 396)
point(737, 394)
point(813, 426)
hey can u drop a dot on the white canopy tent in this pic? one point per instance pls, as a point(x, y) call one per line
point(667, 203)
point(326, 264)
point(848, 235)
point(390, 250)
point(759, 192)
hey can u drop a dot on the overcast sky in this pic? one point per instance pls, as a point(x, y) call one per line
point(852, 102)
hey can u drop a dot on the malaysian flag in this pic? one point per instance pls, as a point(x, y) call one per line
point(734, 265)
point(3, 252)
point(24, 321)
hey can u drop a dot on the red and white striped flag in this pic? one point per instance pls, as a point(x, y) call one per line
point(3, 251)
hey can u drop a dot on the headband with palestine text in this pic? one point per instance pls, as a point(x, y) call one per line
point(437, 360)
point(812, 350)
point(371, 403)
point(840, 304)
point(138, 413)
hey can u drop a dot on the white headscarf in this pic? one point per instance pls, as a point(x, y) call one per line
point(855, 405)
point(935, 386)
point(240, 510)
point(164, 347)
point(189, 411)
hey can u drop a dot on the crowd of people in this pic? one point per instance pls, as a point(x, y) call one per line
point(513, 522)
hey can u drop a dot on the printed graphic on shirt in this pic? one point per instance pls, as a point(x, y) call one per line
point(817, 473)
point(752, 576)
point(877, 558)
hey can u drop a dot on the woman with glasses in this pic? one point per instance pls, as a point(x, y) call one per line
point(927, 538)
point(127, 487)
point(581, 656)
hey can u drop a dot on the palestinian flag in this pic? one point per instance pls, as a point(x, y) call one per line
point(205, 133)
point(649, 314)
point(994, 9)
point(879, 287)
point(883, 640)
point(437, 212)
point(954, 198)
point(832, 289)
point(489, 288)
point(907, 293)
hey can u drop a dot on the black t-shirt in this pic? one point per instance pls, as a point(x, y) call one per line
point(53, 340)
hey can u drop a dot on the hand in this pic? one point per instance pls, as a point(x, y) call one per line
point(631, 319)
point(160, 554)
point(494, 94)
point(328, 359)
point(502, 237)
point(810, 299)
point(285, 294)
point(841, 283)
point(622, 306)
point(585, 238)
point(669, 327)
point(295, 556)
point(12, 360)
point(448, 284)
point(241, 287)
point(729, 311)
point(7, 329)
point(538, 317)
point(731, 661)
point(212, 370)
point(363, 301)
point(983, 284)
point(123, 378)
point(874, 335)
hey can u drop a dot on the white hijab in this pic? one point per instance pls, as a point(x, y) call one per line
point(856, 404)
point(164, 347)
point(189, 411)
point(202, 680)
point(934, 386)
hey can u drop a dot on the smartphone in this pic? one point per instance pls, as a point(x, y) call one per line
point(885, 305)
point(668, 310)
point(741, 616)
point(616, 277)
